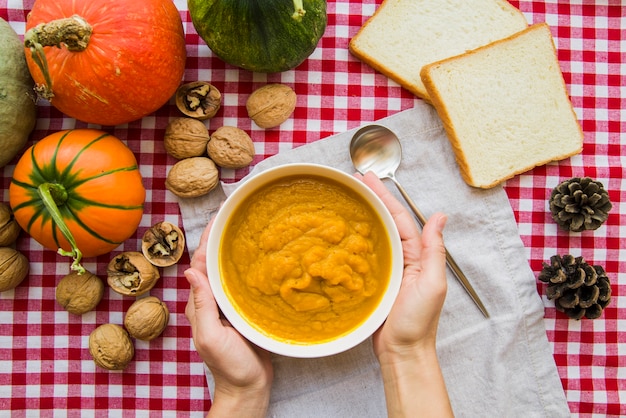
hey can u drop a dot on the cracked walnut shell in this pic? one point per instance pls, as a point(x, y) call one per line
point(163, 244)
point(231, 147)
point(147, 318)
point(192, 177)
point(111, 347)
point(13, 268)
point(271, 105)
point(185, 137)
point(131, 274)
point(79, 293)
point(198, 99)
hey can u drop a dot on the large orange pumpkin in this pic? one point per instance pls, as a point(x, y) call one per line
point(79, 191)
point(105, 62)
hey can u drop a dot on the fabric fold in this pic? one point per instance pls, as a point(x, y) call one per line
point(503, 365)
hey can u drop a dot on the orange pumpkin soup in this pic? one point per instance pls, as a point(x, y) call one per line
point(305, 260)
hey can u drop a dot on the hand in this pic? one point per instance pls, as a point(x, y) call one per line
point(243, 372)
point(406, 343)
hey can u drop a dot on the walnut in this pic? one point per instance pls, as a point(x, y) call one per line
point(185, 137)
point(131, 274)
point(192, 177)
point(231, 147)
point(9, 228)
point(79, 293)
point(13, 268)
point(199, 100)
point(111, 347)
point(146, 318)
point(271, 105)
point(163, 244)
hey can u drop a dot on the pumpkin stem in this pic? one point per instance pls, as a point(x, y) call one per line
point(73, 32)
point(299, 11)
point(53, 195)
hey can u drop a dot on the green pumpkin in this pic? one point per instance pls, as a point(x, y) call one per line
point(17, 98)
point(266, 36)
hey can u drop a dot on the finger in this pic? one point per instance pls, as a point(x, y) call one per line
point(434, 251)
point(407, 227)
point(198, 261)
point(202, 306)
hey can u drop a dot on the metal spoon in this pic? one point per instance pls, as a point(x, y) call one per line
point(377, 149)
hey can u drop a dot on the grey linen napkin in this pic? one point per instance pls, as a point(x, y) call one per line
point(502, 366)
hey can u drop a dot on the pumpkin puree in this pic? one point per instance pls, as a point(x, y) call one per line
point(305, 260)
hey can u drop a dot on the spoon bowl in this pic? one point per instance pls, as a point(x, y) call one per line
point(377, 149)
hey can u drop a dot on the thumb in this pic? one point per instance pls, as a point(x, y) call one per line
point(201, 305)
point(434, 251)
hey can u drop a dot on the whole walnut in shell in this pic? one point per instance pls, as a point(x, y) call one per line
point(231, 147)
point(146, 318)
point(13, 268)
point(111, 347)
point(131, 274)
point(185, 137)
point(9, 228)
point(271, 105)
point(79, 293)
point(192, 177)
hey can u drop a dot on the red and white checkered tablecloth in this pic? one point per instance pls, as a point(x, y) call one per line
point(45, 366)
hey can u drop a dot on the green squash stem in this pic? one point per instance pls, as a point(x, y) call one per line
point(54, 195)
point(73, 32)
point(299, 11)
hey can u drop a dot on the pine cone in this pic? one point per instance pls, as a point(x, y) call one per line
point(580, 204)
point(577, 288)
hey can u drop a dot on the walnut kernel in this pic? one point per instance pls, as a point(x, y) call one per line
point(192, 177)
point(147, 318)
point(163, 244)
point(185, 137)
point(131, 274)
point(13, 268)
point(111, 347)
point(198, 99)
point(79, 293)
point(271, 105)
point(231, 147)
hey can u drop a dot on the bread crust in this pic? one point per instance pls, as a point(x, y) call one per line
point(456, 138)
point(388, 68)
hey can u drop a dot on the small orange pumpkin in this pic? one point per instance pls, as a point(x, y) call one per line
point(105, 62)
point(79, 191)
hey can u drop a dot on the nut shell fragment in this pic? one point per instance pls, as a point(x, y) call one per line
point(131, 274)
point(271, 105)
point(79, 293)
point(9, 228)
point(185, 137)
point(231, 147)
point(111, 347)
point(163, 244)
point(192, 177)
point(13, 268)
point(198, 99)
point(146, 318)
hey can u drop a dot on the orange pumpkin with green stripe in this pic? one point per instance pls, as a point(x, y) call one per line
point(79, 192)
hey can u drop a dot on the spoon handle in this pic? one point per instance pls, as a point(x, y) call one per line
point(451, 263)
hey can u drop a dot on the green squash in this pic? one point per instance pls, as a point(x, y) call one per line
point(266, 36)
point(17, 97)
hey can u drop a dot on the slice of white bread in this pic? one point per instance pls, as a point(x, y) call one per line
point(505, 107)
point(404, 35)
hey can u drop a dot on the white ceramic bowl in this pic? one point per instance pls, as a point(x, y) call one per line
point(335, 346)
